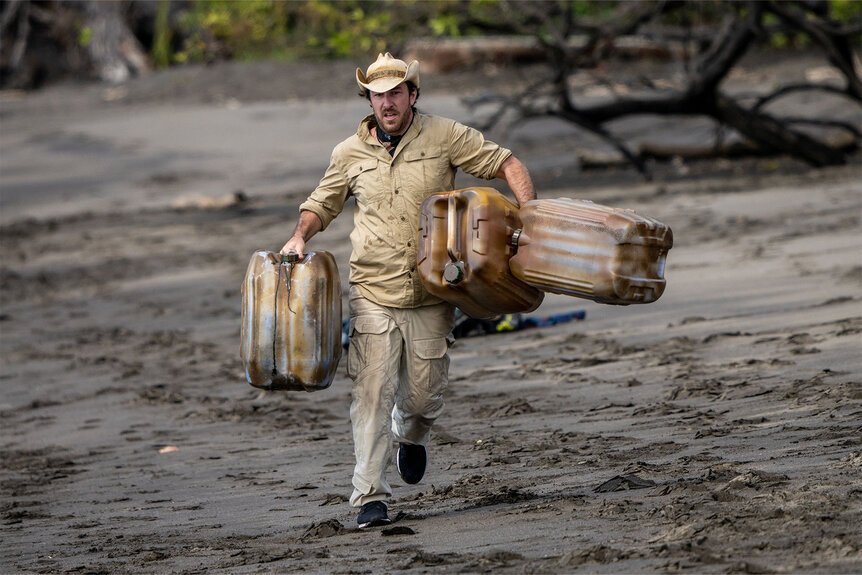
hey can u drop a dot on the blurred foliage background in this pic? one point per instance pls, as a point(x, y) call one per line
point(42, 41)
point(243, 30)
point(209, 30)
point(46, 41)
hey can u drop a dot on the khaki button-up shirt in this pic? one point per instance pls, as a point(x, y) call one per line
point(389, 191)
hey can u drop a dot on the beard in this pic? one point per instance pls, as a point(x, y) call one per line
point(394, 126)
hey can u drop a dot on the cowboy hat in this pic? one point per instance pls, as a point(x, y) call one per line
point(386, 73)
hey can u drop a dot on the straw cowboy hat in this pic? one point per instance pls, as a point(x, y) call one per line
point(386, 73)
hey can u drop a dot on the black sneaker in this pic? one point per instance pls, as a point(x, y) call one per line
point(410, 461)
point(373, 515)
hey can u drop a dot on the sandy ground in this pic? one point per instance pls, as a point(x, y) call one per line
point(717, 430)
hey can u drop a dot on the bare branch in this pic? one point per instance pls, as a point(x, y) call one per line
point(575, 117)
point(837, 48)
point(637, 14)
point(801, 87)
point(771, 133)
point(22, 36)
point(10, 10)
point(729, 46)
point(670, 104)
point(825, 124)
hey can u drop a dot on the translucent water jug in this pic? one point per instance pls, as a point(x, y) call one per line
point(587, 250)
point(291, 321)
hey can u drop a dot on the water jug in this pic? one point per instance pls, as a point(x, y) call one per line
point(291, 321)
point(579, 248)
point(464, 251)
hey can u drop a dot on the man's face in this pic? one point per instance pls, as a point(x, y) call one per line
point(392, 109)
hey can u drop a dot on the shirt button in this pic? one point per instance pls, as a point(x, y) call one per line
point(396, 191)
point(409, 244)
point(403, 218)
point(423, 154)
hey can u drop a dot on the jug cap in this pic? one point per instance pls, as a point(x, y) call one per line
point(453, 272)
point(290, 257)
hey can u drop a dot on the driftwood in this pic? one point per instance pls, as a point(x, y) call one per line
point(701, 95)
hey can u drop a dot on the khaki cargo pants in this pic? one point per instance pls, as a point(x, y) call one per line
point(399, 365)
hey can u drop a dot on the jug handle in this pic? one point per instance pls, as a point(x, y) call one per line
point(290, 257)
point(454, 225)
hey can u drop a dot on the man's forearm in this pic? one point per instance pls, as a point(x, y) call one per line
point(516, 175)
point(309, 224)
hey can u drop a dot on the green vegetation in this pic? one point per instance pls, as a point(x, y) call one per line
point(85, 36)
point(162, 37)
point(208, 30)
point(846, 11)
point(242, 30)
point(227, 29)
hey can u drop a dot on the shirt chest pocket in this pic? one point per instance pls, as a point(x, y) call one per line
point(427, 171)
point(364, 181)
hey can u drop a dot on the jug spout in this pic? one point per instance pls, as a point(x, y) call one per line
point(453, 272)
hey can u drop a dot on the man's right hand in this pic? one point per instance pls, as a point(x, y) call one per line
point(294, 244)
point(309, 224)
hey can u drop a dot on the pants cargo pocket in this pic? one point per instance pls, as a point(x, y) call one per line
point(431, 364)
point(420, 403)
point(367, 343)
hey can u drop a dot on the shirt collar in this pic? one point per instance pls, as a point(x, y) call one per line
point(366, 132)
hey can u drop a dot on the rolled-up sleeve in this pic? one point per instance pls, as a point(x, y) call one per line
point(470, 151)
point(327, 200)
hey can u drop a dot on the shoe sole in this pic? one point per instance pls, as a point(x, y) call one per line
point(375, 523)
point(398, 467)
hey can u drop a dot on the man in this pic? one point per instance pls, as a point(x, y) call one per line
point(399, 333)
